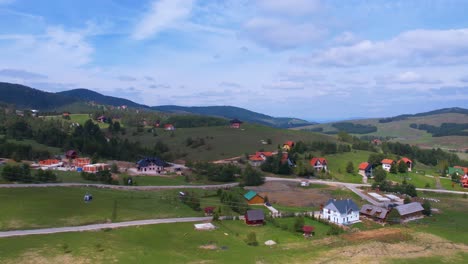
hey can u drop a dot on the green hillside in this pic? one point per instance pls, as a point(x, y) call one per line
point(402, 129)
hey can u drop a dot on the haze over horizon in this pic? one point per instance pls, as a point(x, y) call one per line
point(316, 60)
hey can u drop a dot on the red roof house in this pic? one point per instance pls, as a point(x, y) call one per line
point(365, 169)
point(288, 145)
point(308, 230)
point(319, 163)
point(71, 154)
point(235, 123)
point(259, 157)
point(408, 162)
point(209, 210)
point(169, 127)
point(387, 164)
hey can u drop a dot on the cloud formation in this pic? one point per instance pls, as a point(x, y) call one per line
point(21, 74)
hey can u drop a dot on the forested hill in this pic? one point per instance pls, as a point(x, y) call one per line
point(88, 95)
point(26, 97)
point(235, 112)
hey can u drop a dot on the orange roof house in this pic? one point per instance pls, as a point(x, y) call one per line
point(319, 163)
point(49, 162)
point(80, 162)
point(93, 168)
point(259, 157)
point(387, 164)
point(408, 162)
point(288, 145)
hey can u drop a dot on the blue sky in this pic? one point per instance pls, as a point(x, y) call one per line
point(313, 59)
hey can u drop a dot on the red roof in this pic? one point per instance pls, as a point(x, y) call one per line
point(255, 158)
point(168, 125)
point(264, 153)
point(406, 160)
point(465, 169)
point(209, 209)
point(387, 161)
point(308, 229)
point(313, 161)
point(259, 156)
point(289, 143)
point(363, 165)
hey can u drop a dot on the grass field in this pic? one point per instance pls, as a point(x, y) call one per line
point(37, 146)
point(224, 142)
point(54, 207)
point(337, 165)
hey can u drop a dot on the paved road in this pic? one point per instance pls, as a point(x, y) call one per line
point(101, 226)
point(119, 187)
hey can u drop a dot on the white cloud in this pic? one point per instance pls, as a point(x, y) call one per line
point(290, 7)
point(279, 34)
point(346, 38)
point(163, 14)
point(416, 47)
point(21, 74)
point(408, 77)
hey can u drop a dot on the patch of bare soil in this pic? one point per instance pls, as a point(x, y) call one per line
point(421, 245)
point(291, 194)
point(382, 235)
point(209, 246)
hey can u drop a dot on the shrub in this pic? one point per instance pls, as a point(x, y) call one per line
point(251, 239)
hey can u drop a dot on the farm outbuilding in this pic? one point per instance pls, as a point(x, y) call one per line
point(254, 217)
point(253, 198)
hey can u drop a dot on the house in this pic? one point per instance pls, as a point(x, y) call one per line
point(319, 164)
point(66, 114)
point(288, 145)
point(259, 157)
point(408, 162)
point(101, 119)
point(387, 164)
point(209, 210)
point(365, 169)
point(376, 142)
point(34, 113)
point(254, 217)
point(71, 154)
point(308, 230)
point(81, 162)
point(406, 212)
point(93, 168)
point(253, 198)
point(155, 165)
point(169, 127)
point(49, 162)
point(376, 213)
point(285, 158)
point(235, 123)
point(456, 170)
point(464, 181)
point(342, 212)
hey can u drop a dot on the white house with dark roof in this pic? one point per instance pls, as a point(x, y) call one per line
point(342, 212)
point(152, 165)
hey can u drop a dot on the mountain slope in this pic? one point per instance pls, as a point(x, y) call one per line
point(234, 112)
point(88, 95)
point(26, 97)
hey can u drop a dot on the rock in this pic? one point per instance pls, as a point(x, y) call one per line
point(270, 243)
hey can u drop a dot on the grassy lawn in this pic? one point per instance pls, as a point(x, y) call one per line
point(337, 165)
point(37, 146)
point(450, 223)
point(446, 182)
point(53, 207)
point(418, 180)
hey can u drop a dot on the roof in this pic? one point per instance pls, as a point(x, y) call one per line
point(465, 169)
point(406, 160)
point(255, 158)
point(289, 143)
point(209, 209)
point(265, 153)
point(152, 160)
point(250, 195)
point(259, 156)
point(410, 208)
point(342, 206)
point(308, 229)
point(313, 161)
point(168, 125)
point(374, 211)
point(235, 120)
point(387, 161)
point(254, 215)
point(364, 166)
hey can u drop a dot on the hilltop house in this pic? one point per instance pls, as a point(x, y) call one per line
point(342, 212)
point(408, 162)
point(376, 213)
point(235, 123)
point(101, 119)
point(319, 164)
point(406, 212)
point(288, 145)
point(365, 169)
point(259, 157)
point(254, 217)
point(387, 164)
point(253, 198)
point(169, 127)
point(152, 165)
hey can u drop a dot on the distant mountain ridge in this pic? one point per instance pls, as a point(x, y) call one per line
point(27, 97)
point(235, 112)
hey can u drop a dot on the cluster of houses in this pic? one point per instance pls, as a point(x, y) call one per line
point(71, 162)
point(462, 172)
point(365, 168)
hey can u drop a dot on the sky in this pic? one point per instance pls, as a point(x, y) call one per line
point(311, 59)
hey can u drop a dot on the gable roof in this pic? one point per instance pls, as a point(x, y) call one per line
point(313, 161)
point(235, 121)
point(255, 215)
point(406, 160)
point(342, 206)
point(289, 143)
point(374, 211)
point(308, 229)
point(387, 161)
point(250, 195)
point(364, 166)
point(152, 160)
point(410, 208)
